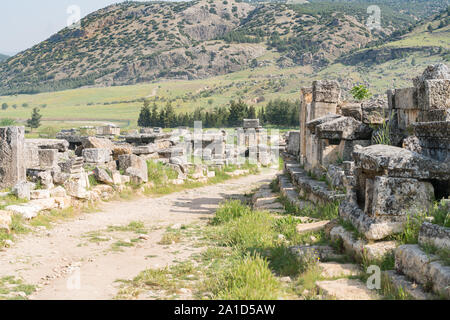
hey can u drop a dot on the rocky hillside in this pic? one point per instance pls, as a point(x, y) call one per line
point(136, 42)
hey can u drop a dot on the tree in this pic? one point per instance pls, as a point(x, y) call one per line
point(35, 121)
point(430, 28)
point(4, 106)
point(145, 116)
point(360, 92)
point(237, 112)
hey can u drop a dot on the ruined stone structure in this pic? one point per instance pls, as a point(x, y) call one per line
point(386, 184)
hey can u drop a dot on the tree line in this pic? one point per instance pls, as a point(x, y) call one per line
point(277, 112)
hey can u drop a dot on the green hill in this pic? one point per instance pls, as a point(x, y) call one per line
point(135, 42)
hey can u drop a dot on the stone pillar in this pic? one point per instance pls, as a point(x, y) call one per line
point(12, 156)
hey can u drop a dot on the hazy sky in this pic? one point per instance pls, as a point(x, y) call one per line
point(24, 23)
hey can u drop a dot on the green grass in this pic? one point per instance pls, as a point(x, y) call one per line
point(10, 286)
point(441, 214)
point(137, 227)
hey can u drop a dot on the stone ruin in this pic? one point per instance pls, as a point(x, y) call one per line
point(381, 186)
point(55, 173)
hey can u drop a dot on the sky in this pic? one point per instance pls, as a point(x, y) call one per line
point(24, 23)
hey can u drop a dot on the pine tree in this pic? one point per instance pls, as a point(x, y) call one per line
point(35, 121)
point(145, 117)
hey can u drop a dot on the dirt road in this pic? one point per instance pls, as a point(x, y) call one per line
point(77, 259)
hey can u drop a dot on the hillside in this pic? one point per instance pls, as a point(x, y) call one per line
point(3, 57)
point(136, 42)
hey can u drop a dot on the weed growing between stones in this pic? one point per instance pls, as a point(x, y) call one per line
point(12, 288)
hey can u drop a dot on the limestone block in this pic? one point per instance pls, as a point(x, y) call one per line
point(406, 98)
point(352, 109)
point(435, 235)
point(437, 94)
point(97, 143)
point(406, 117)
point(102, 176)
point(326, 91)
point(28, 210)
point(96, 155)
point(12, 156)
point(48, 158)
point(59, 144)
point(320, 109)
point(346, 289)
point(423, 268)
point(344, 128)
point(400, 196)
point(374, 111)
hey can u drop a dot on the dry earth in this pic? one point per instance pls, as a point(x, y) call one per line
point(66, 262)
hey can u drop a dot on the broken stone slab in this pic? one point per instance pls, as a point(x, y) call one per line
point(59, 144)
point(399, 162)
point(424, 268)
point(97, 143)
point(335, 270)
point(401, 282)
point(344, 128)
point(293, 146)
point(261, 201)
point(361, 248)
point(101, 175)
point(40, 194)
point(312, 125)
point(12, 156)
point(346, 289)
point(434, 234)
point(28, 211)
point(137, 176)
point(373, 229)
point(149, 149)
point(311, 227)
point(326, 91)
point(400, 196)
point(94, 156)
point(270, 206)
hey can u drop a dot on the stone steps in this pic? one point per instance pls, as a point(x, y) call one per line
point(360, 248)
point(412, 289)
point(313, 190)
point(337, 270)
point(346, 289)
point(265, 199)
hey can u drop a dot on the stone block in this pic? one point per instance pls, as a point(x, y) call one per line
point(406, 98)
point(344, 128)
point(96, 155)
point(320, 109)
point(326, 91)
point(353, 110)
point(48, 158)
point(101, 175)
point(293, 146)
point(437, 94)
point(251, 123)
point(400, 196)
point(12, 156)
point(434, 234)
point(40, 194)
point(59, 144)
point(22, 190)
point(97, 143)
